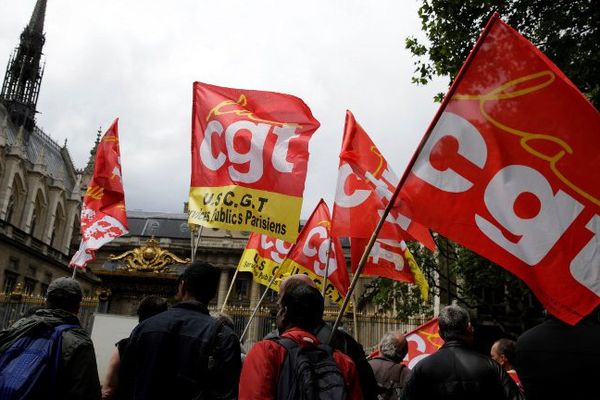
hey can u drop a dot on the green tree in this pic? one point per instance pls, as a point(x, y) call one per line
point(567, 31)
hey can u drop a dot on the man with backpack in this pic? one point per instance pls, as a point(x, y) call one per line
point(389, 371)
point(295, 365)
point(183, 353)
point(48, 355)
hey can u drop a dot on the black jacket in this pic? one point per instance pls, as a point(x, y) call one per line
point(559, 361)
point(78, 373)
point(457, 372)
point(182, 353)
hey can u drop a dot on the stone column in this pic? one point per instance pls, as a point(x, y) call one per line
point(223, 287)
point(253, 334)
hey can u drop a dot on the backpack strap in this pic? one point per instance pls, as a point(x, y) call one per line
point(57, 340)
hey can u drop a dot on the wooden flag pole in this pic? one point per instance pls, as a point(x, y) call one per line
point(354, 310)
point(192, 229)
point(230, 289)
point(327, 268)
point(262, 298)
point(388, 208)
point(74, 272)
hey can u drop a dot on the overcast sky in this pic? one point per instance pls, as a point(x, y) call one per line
point(136, 60)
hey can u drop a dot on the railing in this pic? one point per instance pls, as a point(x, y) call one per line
point(370, 326)
point(16, 305)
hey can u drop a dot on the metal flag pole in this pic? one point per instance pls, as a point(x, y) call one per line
point(230, 289)
point(327, 269)
point(388, 208)
point(195, 248)
point(193, 228)
point(262, 298)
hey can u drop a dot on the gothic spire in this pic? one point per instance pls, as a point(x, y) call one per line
point(36, 24)
point(23, 77)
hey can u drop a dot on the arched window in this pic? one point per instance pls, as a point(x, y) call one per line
point(16, 201)
point(58, 232)
point(36, 223)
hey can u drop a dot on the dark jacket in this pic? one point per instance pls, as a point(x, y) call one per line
point(391, 377)
point(78, 373)
point(182, 353)
point(457, 372)
point(559, 361)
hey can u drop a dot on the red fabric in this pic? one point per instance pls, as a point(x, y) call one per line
point(315, 256)
point(508, 171)
point(422, 342)
point(387, 259)
point(103, 215)
point(260, 372)
point(365, 186)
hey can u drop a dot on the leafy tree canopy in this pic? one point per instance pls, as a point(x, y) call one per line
point(567, 31)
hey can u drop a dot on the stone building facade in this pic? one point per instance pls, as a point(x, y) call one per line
point(40, 194)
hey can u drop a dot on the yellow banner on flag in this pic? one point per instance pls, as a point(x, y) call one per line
point(244, 209)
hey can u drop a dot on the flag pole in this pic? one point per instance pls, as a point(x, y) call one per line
point(408, 169)
point(327, 268)
point(193, 228)
point(74, 272)
point(354, 309)
point(195, 248)
point(230, 289)
point(262, 298)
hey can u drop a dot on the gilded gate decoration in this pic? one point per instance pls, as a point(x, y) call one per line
point(148, 258)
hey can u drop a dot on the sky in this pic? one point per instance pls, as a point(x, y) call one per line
point(137, 60)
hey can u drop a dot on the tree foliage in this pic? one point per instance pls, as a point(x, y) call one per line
point(567, 31)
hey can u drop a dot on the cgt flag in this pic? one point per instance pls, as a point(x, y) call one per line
point(389, 259)
point(263, 257)
point(365, 186)
point(249, 159)
point(103, 216)
point(422, 342)
point(315, 255)
point(509, 161)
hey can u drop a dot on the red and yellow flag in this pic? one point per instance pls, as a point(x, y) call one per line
point(507, 170)
point(365, 186)
point(249, 159)
point(389, 259)
point(263, 257)
point(103, 215)
point(318, 254)
point(422, 342)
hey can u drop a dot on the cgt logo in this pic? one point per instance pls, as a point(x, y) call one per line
point(318, 247)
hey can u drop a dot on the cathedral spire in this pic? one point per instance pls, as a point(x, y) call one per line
point(23, 77)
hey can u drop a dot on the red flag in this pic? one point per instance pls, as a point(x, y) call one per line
point(365, 185)
point(103, 215)
point(422, 342)
point(249, 158)
point(310, 255)
point(389, 259)
point(263, 257)
point(507, 171)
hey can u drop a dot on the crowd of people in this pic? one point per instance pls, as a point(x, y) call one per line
point(183, 352)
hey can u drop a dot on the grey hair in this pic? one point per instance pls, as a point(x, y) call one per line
point(453, 321)
point(393, 346)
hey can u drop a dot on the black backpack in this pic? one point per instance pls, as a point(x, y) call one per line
point(309, 373)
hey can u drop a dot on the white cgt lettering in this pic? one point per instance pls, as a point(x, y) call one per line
point(353, 199)
point(254, 155)
point(584, 266)
point(284, 135)
point(211, 162)
point(320, 265)
point(471, 146)
point(538, 234)
point(280, 251)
